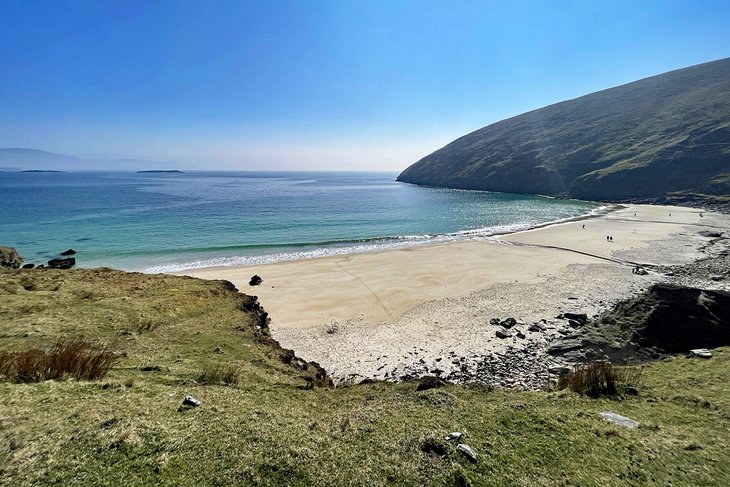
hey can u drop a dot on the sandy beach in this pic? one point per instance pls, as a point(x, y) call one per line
point(427, 309)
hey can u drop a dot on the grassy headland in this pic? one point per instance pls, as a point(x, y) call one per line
point(270, 427)
point(659, 139)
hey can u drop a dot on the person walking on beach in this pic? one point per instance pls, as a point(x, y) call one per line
point(584, 226)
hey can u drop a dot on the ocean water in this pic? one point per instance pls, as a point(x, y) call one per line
point(171, 222)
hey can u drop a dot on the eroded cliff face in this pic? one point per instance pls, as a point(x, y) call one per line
point(658, 137)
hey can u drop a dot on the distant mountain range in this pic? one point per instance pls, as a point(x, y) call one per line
point(34, 159)
point(664, 139)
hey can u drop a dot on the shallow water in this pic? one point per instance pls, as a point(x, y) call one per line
point(171, 222)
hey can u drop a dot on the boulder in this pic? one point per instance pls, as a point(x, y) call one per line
point(191, 402)
point(455, 436)
point(710, 234)
point(494, 321)
point(581, 318)
point(564, 346)
point(9, 257)
point(255, 280)
point(66, 263)
point(467, 452)
point(68, 252)
point(503, 334)
point(700, 353)
point(28, 266)
point(509, 323)
point(717, 277)
point(537, 327)
point(619, 420)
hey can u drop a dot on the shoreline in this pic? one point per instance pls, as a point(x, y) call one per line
point(466, 235)
point(402, 313)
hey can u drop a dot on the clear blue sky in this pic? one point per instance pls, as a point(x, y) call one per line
point(316, 84)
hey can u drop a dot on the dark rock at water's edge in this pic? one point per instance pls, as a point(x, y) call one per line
point(9, 257)
point(621, 144)
point(28, 266)
point(68, 252)
point(66, 263)
point(255, 280)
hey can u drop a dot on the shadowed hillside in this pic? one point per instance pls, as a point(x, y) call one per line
point(666, 137)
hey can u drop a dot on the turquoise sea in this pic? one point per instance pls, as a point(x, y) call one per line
point(169, 222)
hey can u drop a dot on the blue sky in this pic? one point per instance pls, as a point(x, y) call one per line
point(366, 85)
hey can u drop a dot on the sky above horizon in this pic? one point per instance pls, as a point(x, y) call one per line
point(318, 85)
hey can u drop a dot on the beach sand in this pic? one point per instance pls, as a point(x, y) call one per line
point(417, 310)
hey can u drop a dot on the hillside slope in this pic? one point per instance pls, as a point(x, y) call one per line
point(662, 137)
point(269, 426)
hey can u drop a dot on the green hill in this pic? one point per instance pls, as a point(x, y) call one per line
point(664, 138)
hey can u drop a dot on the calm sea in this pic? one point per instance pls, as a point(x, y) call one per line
point(170, 222)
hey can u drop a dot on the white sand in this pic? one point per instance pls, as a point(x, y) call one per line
point(372, 314)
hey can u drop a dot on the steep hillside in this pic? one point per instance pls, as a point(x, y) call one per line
point(664, 137)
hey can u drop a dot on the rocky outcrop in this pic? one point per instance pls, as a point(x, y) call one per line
point(10, 258)
point(66, 263)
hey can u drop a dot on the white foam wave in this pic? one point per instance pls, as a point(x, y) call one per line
point(375, 246)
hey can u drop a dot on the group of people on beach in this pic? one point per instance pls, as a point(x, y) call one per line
point(609, 238)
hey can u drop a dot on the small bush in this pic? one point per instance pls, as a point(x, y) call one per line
point(597, 379)
point(219, 374)
point(76, 358)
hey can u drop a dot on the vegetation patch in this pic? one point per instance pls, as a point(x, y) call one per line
point(74, 358)
point(596, 379)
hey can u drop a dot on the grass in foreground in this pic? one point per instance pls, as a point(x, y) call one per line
point(269, 428)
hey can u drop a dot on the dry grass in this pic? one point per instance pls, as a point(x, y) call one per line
point(220, 374)
point(596, 379)
point(76, 358)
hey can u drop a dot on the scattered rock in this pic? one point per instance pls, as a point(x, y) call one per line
point(455, 436)
point(68, 252)
point(717, 277)
point(28, 266)
point(700, 353)
point(255, 280)
point(429, 382)
point(218, 350)
point(520, 335)
point(494, 321)
point(66, 263)
point(710, 234)
point(9, 257)
point(537, 327)
point(581, 318)
point(564, 346)
point(191, 402)
point(467, 452)
point(640, 271)
point(509, 323)
point(503, 334)
point(619, 420)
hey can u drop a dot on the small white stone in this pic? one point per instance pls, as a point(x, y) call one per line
point(619, 420)
point(453, 436)
point(700, 352)
point(467, 452)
